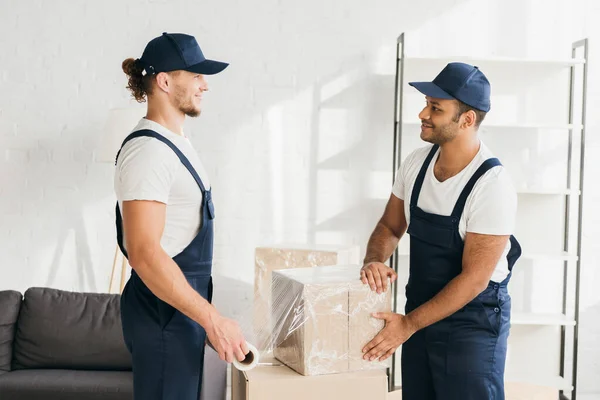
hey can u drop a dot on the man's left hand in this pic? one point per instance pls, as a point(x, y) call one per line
point(397, 330)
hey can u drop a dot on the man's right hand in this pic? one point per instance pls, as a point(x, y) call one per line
point(226, 338)
point(376, 274)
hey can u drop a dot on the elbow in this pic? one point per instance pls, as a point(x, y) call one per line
point(481, 285)
point(477, 282)
point(140, 257)
point(396, 232)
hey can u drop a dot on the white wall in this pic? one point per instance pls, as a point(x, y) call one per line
point(302, 89)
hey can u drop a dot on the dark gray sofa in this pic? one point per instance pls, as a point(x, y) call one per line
point(64, 345)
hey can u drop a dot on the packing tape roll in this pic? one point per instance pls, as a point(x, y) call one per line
point(250, 361)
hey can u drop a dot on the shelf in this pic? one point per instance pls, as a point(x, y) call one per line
point(495, 66)
point(498, 69)
point(538, 347)
point(549, 191)
point(526, 318)
point(496, 125)
point(499, 61)
point(562, 256)
point(520, 318)
point(555, 382)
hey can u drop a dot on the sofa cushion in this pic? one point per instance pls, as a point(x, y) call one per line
point(57, 384)
point(10, 303)
point(70, 330)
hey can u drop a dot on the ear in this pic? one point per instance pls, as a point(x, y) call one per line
point(468, 119)
point(163, 81)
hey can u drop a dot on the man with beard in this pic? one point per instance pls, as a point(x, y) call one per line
point(457, 203)
point(165, 217)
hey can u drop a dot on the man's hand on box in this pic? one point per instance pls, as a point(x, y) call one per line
point(397, 330)
point(376, 274)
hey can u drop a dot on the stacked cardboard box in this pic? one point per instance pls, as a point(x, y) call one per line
point(323, 319)
point(268, 259)
point(280, 382)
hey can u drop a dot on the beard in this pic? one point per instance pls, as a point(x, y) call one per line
point(440, 134)
point(185, 105)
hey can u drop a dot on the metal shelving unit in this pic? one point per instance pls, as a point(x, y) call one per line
point(570, 254)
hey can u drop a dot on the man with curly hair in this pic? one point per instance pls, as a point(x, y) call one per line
point(165, 216)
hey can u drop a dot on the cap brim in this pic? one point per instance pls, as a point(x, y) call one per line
point(431, 89)
point(208, 67)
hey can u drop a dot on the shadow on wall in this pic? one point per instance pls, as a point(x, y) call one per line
point(321, 97)
point(67, 211)
point(351, 166)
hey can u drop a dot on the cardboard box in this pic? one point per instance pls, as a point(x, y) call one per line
point(395, 395)
point(280, 382)
point(268, 259)
point(528, 391)
point(323, 319)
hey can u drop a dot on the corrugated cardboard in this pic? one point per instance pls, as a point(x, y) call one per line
point(312, 336)
point(268, 259)
point(323, 319)
point(362, 326)
point(281, 383)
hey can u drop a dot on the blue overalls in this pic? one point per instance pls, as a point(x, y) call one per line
point(461, 357)
point(167, 347)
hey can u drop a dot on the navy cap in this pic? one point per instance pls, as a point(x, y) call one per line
point(177, 51)
point(459, 81)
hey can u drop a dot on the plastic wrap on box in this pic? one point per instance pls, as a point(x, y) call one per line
point(322, 318)
point(268, 259)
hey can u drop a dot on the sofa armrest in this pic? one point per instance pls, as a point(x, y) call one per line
point(10, 305)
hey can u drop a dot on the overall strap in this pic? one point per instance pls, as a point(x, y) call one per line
point(462, 199)
point(414, 198)
point(182, 157)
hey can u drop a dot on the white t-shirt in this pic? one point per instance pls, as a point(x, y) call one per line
point(147, 169)
point(490, 208)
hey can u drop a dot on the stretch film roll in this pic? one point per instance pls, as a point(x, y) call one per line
point(250, 361)
point(247, 363)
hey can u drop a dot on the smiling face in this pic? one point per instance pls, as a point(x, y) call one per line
point(439, 122)
point(187, 92)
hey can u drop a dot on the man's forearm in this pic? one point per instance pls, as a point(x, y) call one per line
point(455, 295)
point(164, 278)
point(382, 244)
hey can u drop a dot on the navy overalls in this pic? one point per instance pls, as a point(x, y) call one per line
point(461, 357)
point(167, 347)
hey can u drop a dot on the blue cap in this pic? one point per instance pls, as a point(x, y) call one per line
point(177, 51)
point(459, 81)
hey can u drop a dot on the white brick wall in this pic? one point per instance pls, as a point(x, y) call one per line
point(270, 124)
